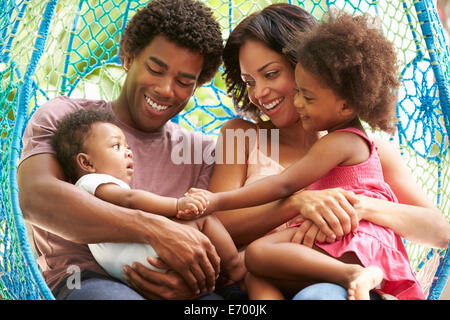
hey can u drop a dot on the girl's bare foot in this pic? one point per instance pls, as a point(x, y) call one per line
point(363, 281)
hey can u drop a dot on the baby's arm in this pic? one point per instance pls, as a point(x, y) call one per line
point(144, 200)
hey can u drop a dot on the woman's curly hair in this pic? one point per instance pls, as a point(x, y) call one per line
point(352, 57)
point(71, 132)
point(188, 23)
point(274, 26)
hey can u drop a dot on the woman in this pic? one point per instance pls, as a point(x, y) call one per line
point(165, 60)
point(259, 74)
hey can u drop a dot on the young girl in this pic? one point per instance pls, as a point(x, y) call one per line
point(346, 72)
point(95, 156)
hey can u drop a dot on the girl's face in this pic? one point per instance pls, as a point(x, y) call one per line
point(160, 81)
point(107, 152)
point(319, 108)
point(270, 82)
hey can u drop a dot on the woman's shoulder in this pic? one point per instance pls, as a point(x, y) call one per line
point(239, 123)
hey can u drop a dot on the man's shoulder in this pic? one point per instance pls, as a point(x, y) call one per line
point(176, 131)
point(58, 107)
point(65, 102)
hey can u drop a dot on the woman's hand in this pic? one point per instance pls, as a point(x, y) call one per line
point(330, 210)
point(307, 233)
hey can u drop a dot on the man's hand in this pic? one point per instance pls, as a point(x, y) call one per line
point(155, 285)
point(189, 253)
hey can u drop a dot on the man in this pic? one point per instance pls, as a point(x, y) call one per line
point(169, 48)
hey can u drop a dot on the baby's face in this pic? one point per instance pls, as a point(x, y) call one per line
point(108, 151)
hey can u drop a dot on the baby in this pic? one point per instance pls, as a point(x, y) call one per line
point(94, 155)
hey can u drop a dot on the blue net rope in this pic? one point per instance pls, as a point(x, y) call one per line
point(64, 47)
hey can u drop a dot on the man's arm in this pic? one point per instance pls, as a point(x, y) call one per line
point(44, 196)
point(65, 210)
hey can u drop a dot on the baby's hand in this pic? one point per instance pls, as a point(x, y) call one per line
point(208, 196)
point(191, 206)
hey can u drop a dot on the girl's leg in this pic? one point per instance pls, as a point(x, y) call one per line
point(232, 262)
point(261, 289)
point(275, 257)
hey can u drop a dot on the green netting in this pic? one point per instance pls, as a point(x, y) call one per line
point(51, 48)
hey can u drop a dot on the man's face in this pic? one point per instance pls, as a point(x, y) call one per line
point(159, 84)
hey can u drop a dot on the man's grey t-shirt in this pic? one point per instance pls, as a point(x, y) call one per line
point(167, 162)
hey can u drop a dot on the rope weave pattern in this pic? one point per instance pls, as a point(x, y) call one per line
point(63, 47)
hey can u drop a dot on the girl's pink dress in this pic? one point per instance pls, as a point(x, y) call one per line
point(372, 244)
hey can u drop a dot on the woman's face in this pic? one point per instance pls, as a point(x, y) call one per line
point(270, 82)
point(159, 84)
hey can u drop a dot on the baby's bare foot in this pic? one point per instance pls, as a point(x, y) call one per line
point(234, 270)
point(363, 281)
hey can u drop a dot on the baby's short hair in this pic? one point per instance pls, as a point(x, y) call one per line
point(71, 132)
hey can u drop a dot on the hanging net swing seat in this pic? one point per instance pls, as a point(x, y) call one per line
point(50, 48)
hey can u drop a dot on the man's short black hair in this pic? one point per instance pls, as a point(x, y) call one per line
point(188, 23)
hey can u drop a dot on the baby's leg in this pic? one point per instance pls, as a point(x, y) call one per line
point(232, 262)
point(275, 257)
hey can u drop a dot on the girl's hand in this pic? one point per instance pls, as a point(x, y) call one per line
point(330, 210)
point(209, 197)
point(191, 206)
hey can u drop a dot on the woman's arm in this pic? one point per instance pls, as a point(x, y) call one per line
point(426, 226)
point(82, 218)
point(246, 225)
point(416, 218)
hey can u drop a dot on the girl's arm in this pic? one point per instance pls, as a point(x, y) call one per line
point(330, 151)
point(330, 208)
point(243, 224)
